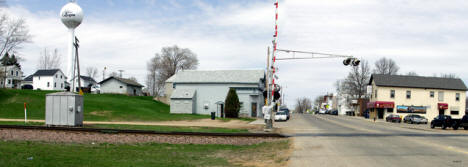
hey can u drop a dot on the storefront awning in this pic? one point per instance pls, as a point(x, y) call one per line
point(442, 106)
point(381, 104)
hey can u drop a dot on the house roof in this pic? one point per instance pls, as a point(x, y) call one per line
point(87, 78)
point(49, 72)
point(171, 79)
point(183, 94)
point(219, 76)
point(123, 80)
point(28, 78)
point(418, 82)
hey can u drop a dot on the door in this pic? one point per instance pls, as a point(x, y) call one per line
point(254, 110)
point(380, 113)
point(441, 112)
point(222, 110)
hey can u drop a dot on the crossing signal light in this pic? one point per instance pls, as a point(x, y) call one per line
point(351, 61)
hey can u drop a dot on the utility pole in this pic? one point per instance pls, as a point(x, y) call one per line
point(78, 64)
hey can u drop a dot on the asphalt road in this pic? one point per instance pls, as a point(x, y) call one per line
point(326, 140)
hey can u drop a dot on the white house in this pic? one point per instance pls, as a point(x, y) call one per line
point(203, 92)
point(116, 85)
point(86, 82)
point(52, 79)
point(10, 77)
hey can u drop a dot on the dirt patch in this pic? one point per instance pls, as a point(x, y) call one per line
point(101, 113)
point(275, 154)
point(96, 137)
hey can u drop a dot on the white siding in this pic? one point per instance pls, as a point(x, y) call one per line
point(113, 86)
point(181, 106)
point(55, 82)
point(211, 93)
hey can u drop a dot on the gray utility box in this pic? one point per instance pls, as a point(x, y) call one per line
point(64, 109)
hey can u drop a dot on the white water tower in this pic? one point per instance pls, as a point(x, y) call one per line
point(71, 15)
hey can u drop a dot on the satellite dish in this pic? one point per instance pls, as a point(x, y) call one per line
point(71, 15)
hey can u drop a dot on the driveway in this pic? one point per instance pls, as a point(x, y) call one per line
point(325, 140)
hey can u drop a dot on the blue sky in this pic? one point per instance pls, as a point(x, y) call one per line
point(424, 36)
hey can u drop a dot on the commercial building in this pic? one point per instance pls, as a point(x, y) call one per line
point(203, 92)
point(426, 96)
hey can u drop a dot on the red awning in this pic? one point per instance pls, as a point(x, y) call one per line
point(381, 104)
point(442, 106)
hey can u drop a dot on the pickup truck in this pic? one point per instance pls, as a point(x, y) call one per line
point(464, 122)
point(445, 121)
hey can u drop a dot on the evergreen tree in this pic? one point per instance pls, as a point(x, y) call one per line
point(14, 61)
point(5, 59)
point(232, 104)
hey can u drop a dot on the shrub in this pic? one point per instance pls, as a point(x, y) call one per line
point(232, 105)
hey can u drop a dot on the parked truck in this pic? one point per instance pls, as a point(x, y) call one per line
point(445, 121)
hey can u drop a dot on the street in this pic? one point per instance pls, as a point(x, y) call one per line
point(327, 140)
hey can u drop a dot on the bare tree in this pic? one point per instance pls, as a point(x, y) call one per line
point(91, 72)
point(167, 63)
point(448, 75)
point(303, 104)
point(174, 59)
point(386, 66)
point(133, 79)
point(412, 73)
point(357, 80)
point(49, 60)
point(153, 81)
point(13, 33)
point(114, 74)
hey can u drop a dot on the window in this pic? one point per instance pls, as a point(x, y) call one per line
point(56, 76)
point(431, 94)
point(392, 93)
point(48, 84)
point(441, 96)
point(61, 85)
point(457, 96)
point(173, 85)
point(9, 81)
point(16, 73)
point(39, 77)
point(375, 93)
point(121, 87)
point(55, 84)
point(408, 94)
point(454, 112)
point(12, 72)
point(60, 76)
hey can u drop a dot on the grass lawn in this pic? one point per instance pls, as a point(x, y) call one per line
point(97, 107)
point(145, 127)
point(150, 154)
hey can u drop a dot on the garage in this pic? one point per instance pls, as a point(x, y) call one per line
point(183, 101)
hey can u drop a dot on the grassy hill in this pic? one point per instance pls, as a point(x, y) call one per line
point(97, 107)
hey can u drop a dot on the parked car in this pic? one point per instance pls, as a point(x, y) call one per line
point(286, 110)
point(393, 118)
point(413, 118)
point(445, 121)
point(334, 112)
point(281, 116)
point(464, 122)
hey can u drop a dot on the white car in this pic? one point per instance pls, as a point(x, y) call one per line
point(281, 116)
